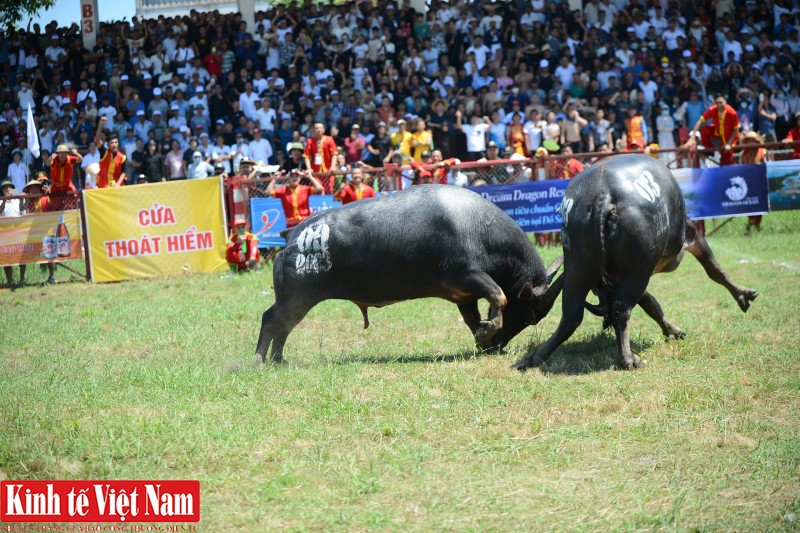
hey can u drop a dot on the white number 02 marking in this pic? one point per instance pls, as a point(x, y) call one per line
point(647, 187)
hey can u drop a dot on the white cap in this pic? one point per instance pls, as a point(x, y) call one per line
point(140, 113)
point(174, 107)
point(146, 76)
point(65, 101)
point(199, 89)
point(687, 53)
point(334, 92)
point(124, 77)
point(543, 63)
point(104, 82)
point(67, 82)
point(157, 91)
point(156, 112)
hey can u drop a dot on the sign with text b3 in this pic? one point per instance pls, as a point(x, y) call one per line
point(100, 501)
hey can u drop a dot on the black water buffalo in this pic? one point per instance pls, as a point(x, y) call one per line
point(624, 219)
point(428, 241)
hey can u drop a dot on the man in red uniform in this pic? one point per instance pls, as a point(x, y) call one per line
point(568, 168)
point(242, 253)
point(294, 197)
point(320, 152)
point(355, 189)
point(62, 164)
point(794, 136)
point(112, 173)
point(723, 131)
point(441, 167)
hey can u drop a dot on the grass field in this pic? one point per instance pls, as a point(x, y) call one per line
point(403, 426)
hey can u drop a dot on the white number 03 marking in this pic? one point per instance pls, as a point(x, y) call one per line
point(647, 187)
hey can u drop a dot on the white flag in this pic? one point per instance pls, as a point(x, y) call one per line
point(33, 136)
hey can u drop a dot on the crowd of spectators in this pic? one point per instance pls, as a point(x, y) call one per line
point(385, 81)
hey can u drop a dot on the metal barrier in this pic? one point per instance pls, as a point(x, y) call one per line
point(393, 177)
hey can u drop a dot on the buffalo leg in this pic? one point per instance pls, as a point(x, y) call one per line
point(653, 310)
point(471, 315)
point(697, 245)
point(483, 286)
point(628, 293)
point(572, 302)
point(276, 324)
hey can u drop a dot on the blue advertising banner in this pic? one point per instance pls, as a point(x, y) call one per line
point(533, 205)
point(267, 219)
point(784, 184)
point(735, 190)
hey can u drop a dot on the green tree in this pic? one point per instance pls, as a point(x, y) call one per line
point(12, 11)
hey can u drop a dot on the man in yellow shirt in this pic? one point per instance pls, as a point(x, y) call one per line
point(421, 140)
point(401, 140)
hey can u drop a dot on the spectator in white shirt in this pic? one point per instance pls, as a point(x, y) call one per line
point(260, 149)
point(247, 102)
point(475, 133)
point(267, 117)
point(481, 51)
point(17, 171)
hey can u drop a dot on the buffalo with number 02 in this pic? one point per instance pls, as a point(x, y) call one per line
point(623, 220)
point(427, 241)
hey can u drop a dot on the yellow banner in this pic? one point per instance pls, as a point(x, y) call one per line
point(154, 230)
point(41, 238)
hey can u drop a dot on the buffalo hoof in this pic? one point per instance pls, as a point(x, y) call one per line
point(258, 359)
point(745, 297)
point(674, 334)
point(633, 363)
point(485, 333)
point(528, 362)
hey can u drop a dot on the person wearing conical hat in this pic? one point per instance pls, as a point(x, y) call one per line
point(62, 165)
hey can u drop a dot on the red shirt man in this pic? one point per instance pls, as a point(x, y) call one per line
point(242, 252)
point(794, 136)
point(61, 166)
point(111, 173)
point(354, 191)
point(320, 151)
point(725, 128)
point(294, 197)
point(441, 168)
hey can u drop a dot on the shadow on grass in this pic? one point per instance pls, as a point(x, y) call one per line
point(577, 356)
point(595, 353)
point(463, 355)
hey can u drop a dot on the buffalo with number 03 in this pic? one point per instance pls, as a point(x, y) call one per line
point(623, 220)
point(427, 241)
